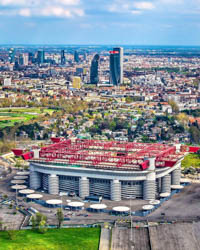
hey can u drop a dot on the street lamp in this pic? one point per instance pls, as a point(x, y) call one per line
point(131, 218)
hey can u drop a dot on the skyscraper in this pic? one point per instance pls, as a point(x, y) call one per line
point(11, 55)
point(63, 59)
point(40, 56)
point(76, 56)
point(30, 57)
point(116, 66)
point(94, 76)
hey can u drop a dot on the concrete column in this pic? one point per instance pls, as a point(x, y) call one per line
point(149, 187)
point(166, 184)
point(115, 190)
point(36, 153)
point(34, 180)
point(84, 187)
point(176, 176)
point(151, 164)
point(53, 187)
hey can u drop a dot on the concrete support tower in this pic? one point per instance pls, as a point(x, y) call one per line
point(35, 180)
point(176, 176)
point(166, 184)
point(84, 187)
point(116, 190)
point(149, 186)
point(53, 186)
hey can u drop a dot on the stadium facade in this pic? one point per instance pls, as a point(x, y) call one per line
point(113, 170)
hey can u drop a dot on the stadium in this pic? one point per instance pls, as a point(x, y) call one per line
point(111, 169)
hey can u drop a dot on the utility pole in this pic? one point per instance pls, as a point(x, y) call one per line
point(131, 218)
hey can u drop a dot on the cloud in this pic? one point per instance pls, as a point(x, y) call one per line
point(144, 5)
point(136, 12)
point(38, 2)
point(43, 8)
point(127, 6)
point(68, 2)
point(25, 12)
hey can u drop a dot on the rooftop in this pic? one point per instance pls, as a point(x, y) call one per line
point(107, 154)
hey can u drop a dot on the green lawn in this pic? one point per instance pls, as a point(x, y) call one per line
point(53, 239)
point(8, 117)
point(191, 160)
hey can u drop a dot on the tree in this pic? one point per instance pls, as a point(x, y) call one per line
point(174, 106)
point(11, 234)
point(42, 227)
point(183, 119)
point(195, 134)
point(1, 225)
point(39, 222)
point(33, 222)
point(39, 217)
point(60, 217)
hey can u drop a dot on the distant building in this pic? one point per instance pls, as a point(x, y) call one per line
point(30, 57)
point(7, 82)
point(11, 55)
point(94, 76)
point(79, 71)
point(25, 59)
point(63, 59)
point(116, 66)
point(40, 57)
point(84, 56)
point(21, 59)
point(76, 56)
point(76, 82)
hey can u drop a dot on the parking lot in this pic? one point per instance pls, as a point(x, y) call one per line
point(181, 206)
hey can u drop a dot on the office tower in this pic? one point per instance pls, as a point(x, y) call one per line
point(94, 76)
point(30, 57)
point(76, 56)
point(25, 59)
point(84, 56)
point(79, 71)
point(63, 59)
point(41, 57)
point(116, 66)
point(11, 55)
point(16, 66)
point(21, 59)
point(76, 82)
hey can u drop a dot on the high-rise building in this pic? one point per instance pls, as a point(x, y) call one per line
point(41, 56)
point(30, 57)
point(94, 75)
point(84, 56)
point(76, 56)
point(11, 55)
point(76, 82)
point(116, 66)
point(23, 59)
point(63, 59)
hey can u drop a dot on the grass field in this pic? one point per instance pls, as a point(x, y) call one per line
point(53, 239)
point(8, 117)
point(191, 160)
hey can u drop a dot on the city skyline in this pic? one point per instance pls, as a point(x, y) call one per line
point(147, 22)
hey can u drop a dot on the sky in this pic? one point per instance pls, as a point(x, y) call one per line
point(132, 22)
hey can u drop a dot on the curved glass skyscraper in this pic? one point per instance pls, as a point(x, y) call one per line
point(94, 76)
point(116, 66)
